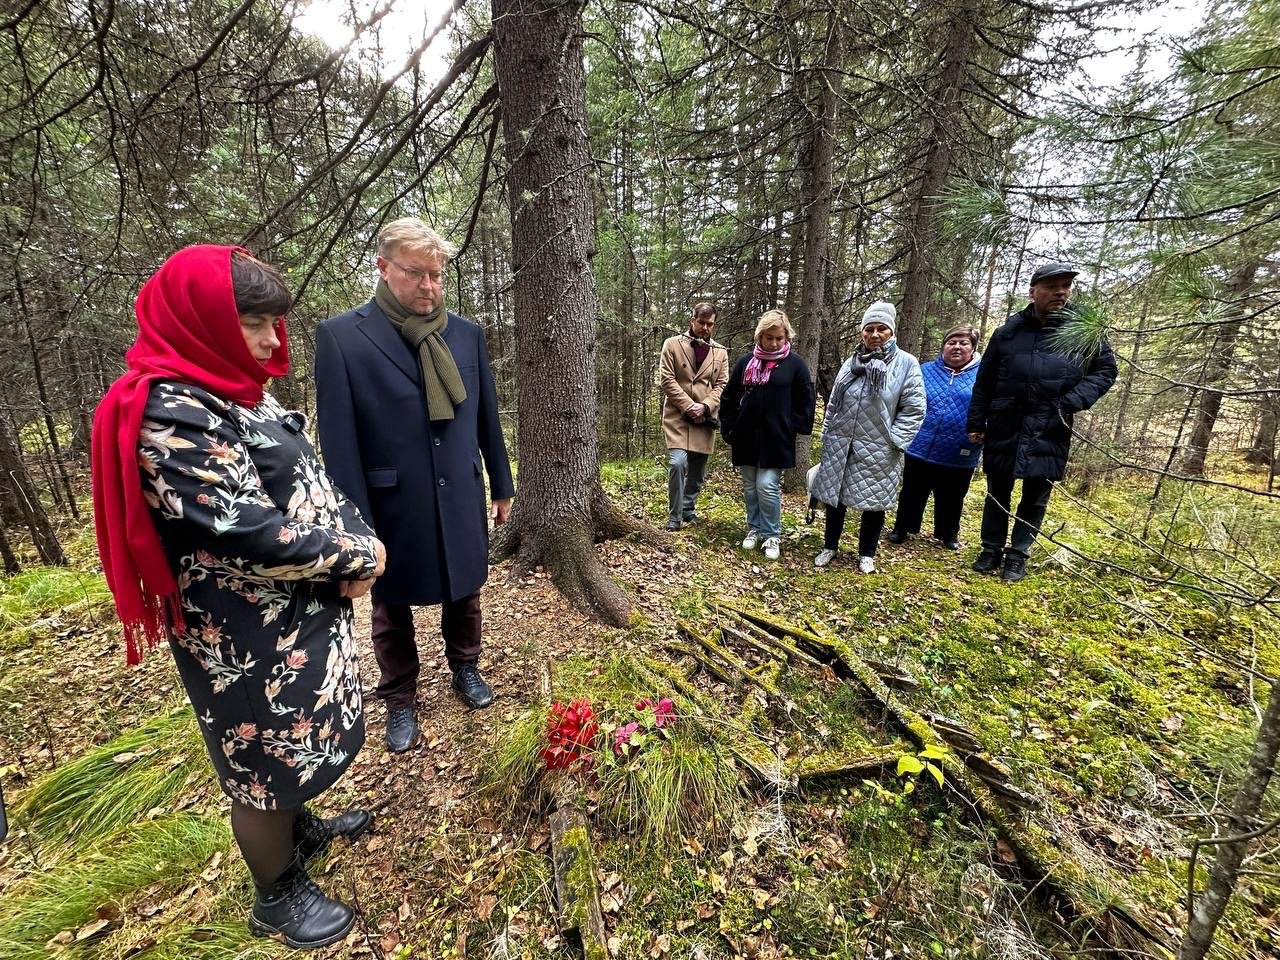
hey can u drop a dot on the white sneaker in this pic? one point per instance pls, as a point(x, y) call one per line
point(750, 540)
point(773, 548)
point(823, 558)
point(866, 564)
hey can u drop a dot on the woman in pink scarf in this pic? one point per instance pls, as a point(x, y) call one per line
point(768, 401)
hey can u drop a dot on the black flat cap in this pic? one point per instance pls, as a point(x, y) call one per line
point(1054, 268)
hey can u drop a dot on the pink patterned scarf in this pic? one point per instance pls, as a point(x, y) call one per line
point(762, 363)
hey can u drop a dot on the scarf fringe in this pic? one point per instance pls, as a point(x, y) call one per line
point(156, 623)
point(762, 363)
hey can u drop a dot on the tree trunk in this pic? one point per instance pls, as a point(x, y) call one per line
point(46, 408)
point(22, 499)
point(1126, 390)
point(11, 565)
point(812, 319)
point(1263, 449)
point(946, 120)
point(1244, 820)
point(1219, 358)
point(561, 509)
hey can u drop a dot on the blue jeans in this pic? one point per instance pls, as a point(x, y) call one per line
point(762, 491)
point(686, 472)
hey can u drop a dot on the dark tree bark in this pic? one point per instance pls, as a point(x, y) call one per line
point(1263, 449)
point(561, 509)
point(812, 320)
point(11, 565)
point(1219, 358)
point(946, 120)
point(22, 499)
point(1244, 825)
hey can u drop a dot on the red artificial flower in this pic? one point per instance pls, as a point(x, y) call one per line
point(571, 731)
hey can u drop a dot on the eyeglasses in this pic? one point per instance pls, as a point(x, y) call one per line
point(417, 276)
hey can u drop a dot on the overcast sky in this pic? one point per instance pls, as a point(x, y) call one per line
point(411, 20)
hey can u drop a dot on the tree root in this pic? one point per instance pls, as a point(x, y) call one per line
point(564, 546)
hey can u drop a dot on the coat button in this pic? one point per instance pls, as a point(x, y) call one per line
point(441, 481)
point(436, 441)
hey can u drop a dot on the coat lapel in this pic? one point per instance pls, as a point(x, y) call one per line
point(378, 328)
point(687, 343)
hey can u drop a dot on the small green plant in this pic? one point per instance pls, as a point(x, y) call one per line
point(912, 765)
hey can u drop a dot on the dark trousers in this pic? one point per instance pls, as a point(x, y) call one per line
point(869, 529)
point(396, 648)
point(1030, 514)
point(948, 485)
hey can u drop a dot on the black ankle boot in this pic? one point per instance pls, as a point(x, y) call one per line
point(312, 834)
point(297, 911)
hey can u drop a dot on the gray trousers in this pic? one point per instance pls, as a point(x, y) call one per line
point(686, 472)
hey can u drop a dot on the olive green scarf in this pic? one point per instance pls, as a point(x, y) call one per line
point(440, 380)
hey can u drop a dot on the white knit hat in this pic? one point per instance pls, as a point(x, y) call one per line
point(882, 311)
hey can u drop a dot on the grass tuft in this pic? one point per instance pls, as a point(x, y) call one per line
point(32, 594)
point(71, 894)
point(109, 787)
point(673, 789)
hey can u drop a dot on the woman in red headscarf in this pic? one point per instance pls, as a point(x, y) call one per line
point(220, 532)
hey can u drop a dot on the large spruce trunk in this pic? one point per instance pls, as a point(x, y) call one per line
point(947, 112)
point(560, 510)
point(812, 320)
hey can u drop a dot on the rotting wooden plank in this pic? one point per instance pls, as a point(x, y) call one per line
point(725, 655)
point(1121, 927)
point(811, 771)
point(577, 885)
point(761, 636)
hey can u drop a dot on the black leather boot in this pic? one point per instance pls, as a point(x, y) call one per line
point(402, 729)
point(298, 912)
point(988, 560)
point(1015, 567)
point(470, 687)
point(312, 834)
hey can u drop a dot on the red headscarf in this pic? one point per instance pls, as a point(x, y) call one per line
point(189, 332)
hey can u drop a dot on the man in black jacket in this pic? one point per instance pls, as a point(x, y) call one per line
point(1027, 392)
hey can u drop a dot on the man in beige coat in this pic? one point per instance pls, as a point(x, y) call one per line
point(694, 370)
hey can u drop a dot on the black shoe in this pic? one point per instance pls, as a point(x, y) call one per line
point(312, 834)
point(951, 544)
point(673, 524)
point(295, 910)
point(988, 560)
point(691, 518)
point(402, 729)
point(898, 536)
point(471, 688)
point(1015, 567)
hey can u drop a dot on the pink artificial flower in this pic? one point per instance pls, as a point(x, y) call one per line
point(664, 713)
point(622, 737)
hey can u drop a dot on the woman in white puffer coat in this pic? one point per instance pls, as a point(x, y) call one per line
point(875, 410)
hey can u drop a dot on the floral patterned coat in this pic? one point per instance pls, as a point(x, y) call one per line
point(258, 536)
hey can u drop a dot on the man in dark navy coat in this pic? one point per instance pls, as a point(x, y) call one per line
point(407, 411)
point(1025, 398)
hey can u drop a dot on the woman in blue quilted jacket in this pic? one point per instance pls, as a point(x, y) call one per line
point(942, 458)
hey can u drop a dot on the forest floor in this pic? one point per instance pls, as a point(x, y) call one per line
point(1077, 680)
